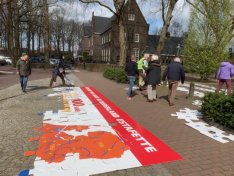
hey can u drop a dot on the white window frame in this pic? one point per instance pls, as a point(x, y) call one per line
point(102, 54)
point(109, 55)
point(109, 37)
point(131, 17)
point(105, 55)
point(136, 52)
point(137, 38)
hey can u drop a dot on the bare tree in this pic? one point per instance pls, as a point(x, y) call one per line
point(166, 16)
point(176, 29)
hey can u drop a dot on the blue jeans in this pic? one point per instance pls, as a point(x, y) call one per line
point(131, 80)
point(23, 82)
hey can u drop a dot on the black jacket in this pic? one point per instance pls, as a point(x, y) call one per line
point(174, 72)
point(23, 67)
point(131, 68)
point(154, 73)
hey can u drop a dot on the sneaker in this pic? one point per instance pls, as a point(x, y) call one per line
point(150, 101)
point(129, 98)
point(171, 104)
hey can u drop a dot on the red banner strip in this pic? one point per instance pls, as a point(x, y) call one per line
point(147, 148)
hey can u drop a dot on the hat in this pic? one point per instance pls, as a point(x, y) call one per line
point(23, 54)
point(177, 59)
point(154, 57)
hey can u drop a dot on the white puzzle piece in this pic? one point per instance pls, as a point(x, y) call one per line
point(197, 103)
point(188, 115)
point(211, 131)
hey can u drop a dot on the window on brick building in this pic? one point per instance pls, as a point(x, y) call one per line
point(136, 52)
point(136, 38)
point(131, 17)
point(130, 36)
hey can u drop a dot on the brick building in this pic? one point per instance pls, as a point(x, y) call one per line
point(104, 35)
point(101, 38)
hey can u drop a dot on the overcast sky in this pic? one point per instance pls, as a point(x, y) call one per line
point(149, 8)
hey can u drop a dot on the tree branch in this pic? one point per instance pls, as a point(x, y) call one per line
point(98, 2)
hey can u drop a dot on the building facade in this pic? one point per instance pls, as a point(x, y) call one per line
point(102, 40)
point(104, 35)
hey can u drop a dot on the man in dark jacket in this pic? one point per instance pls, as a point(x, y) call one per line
point(59, 70)
point(153, 75)
point(174, 73)
point(23, 67)
point(132, 71)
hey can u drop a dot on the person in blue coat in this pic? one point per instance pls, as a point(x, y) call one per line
point(174, 73)
point(132, 71)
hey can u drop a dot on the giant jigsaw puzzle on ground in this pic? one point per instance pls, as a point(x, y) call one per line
point(92, 135)
point(192, 117)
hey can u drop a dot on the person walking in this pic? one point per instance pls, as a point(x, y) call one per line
point(143, 61)
point(132, 71)
point(23, 67)
point(224, 75)
point(59, 70)
point(153, 77)
point(174, 73)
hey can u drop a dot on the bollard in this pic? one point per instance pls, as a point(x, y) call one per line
point(191, 90)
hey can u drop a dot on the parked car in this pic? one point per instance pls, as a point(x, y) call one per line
point(53, 61)
point(37, 59)
point(68, 65)
point(3, 62)
point(7, 59)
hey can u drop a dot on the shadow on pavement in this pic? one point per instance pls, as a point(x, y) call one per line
point(33, 88)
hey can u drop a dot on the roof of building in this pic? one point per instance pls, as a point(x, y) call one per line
point(171, 46)
point(87, 30)
point(101, 24)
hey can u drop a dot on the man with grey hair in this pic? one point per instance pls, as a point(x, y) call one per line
point(174, 73)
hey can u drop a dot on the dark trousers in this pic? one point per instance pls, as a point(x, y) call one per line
point(54, 77)
point(23, 82)
point(228, 83)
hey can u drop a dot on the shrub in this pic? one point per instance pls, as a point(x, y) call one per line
point(117, 74)
point(219, 108)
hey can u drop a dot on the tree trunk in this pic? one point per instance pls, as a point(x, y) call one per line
point(16, 31)
point(33, 43)
point(39, 40)
point(122, 43)
point(163, 34)
point(46, 32)
point(10, 33)
point(28, 38)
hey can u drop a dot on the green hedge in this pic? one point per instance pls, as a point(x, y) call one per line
point(117, 74)
point(219, 108)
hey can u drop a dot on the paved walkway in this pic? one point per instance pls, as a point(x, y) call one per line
point(18, 118)
point(202, 155)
